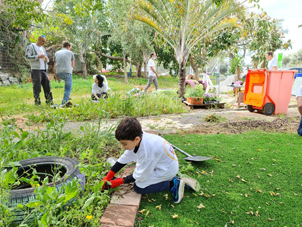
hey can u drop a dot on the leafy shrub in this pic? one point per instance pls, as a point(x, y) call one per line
point(209, 97)
point(90, 145)
point(197, 91)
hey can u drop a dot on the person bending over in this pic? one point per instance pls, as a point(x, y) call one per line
point(156, 162)
point(99, 88)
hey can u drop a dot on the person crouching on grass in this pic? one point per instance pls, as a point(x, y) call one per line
point(99, 88)
point(156, 162)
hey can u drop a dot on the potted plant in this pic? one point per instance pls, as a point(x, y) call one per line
point(209, 98)
point(195, 95)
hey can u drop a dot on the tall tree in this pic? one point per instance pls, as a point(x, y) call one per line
point(183, 23)
point(84, 23)
point(135, 38)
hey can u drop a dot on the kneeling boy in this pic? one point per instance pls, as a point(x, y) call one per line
point(156, 161)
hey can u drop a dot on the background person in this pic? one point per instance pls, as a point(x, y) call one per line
point(99, 88)
point(37, 57)
point(156, 161)
point(152, 73)
point(63, 65)
point(299, 101)
point(272, 62)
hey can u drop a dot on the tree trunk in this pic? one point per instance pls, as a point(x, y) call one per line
point(182, 79)
point(194, 67)
point(125, 64)
point(139, 70)
point(238, 71)
point(84, 66)
point(100, 66)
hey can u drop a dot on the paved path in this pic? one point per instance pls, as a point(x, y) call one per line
point(173, 122)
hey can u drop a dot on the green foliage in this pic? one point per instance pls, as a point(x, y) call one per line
point(209, 97)
point(253, 171)
point(90, 145)
point(22, 13)
point(17, 99)
point(197, 91)
point(214, 118)
point(236, 64)
point(116, 105)
point(13, 40)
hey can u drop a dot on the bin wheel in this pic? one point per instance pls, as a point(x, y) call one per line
point(269, 109)
point(250, 108)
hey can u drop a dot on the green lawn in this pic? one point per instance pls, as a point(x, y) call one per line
point(18, 99)
point(254, 179)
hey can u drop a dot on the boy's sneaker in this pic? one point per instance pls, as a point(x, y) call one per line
point(191, 183)
point(178, 189)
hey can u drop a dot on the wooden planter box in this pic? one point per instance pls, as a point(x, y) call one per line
point(195, 100)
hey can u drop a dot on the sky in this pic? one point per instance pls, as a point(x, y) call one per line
point(291, 12)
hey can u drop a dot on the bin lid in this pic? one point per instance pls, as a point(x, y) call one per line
point(298, 75)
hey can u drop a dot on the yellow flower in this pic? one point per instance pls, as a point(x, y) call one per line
point(89, 217)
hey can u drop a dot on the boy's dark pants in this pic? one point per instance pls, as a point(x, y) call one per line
point(159, 187)
point(40, 77)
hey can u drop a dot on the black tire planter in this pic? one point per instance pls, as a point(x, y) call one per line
point(25, 194)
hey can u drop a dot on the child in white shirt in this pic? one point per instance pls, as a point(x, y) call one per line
point(156, 162)
point(99, 88)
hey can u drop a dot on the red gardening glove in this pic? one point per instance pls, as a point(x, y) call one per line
point(114, 183)
point(109, 176)
point(117, 182)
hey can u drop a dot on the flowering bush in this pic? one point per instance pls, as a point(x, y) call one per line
point(209, 97)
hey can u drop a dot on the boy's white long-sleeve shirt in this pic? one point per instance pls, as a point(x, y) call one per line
point(155, 160)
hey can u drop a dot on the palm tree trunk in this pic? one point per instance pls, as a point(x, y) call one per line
point(194, 67)
point(182, 79)
point(125, 71)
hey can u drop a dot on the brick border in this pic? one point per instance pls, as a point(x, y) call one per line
point(122, 210)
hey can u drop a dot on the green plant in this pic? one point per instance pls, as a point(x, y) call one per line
point(197, 91)
point(209, 97)
point(214, 118)
point(90, 145)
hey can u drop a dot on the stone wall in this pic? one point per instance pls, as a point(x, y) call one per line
point(6, 79)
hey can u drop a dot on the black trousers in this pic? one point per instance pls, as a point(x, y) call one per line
point(40, 78)
point(99, 95)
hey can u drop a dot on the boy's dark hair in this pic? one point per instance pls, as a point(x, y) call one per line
point(100, 80)
point(270, 53)
point(128, 129)
point(66, 44)
point(151, 54)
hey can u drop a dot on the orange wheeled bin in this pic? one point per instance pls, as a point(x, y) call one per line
point(268, 91)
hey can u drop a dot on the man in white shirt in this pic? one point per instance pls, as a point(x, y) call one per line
point(152, 73)
point(299, 101)
point(37, 57)
point(272, 62)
